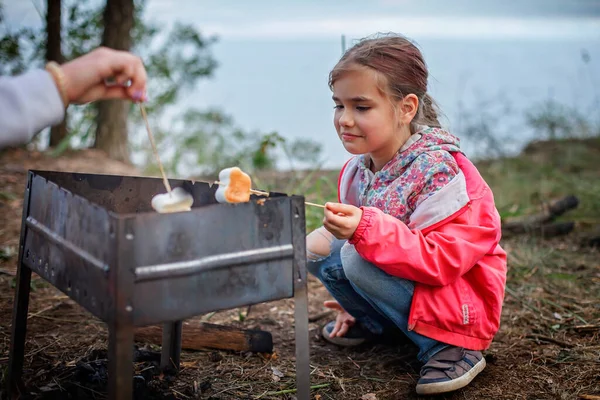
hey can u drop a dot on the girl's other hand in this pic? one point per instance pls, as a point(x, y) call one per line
point(86, 76)
point(343, 320)
point(341, 219)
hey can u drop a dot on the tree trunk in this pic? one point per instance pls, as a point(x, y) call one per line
point(54, 53)
point(111, 130)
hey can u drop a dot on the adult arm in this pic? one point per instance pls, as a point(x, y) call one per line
point(28, 104)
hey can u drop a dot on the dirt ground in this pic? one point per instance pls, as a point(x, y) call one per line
point(548, 346)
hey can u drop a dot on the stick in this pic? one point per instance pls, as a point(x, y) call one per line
point(586, 328)
point(162, 171)
point(253, 191)
point(266, 194)
point(259, 192)
point(288, 391)
point(549, 340)
point(308, 203)
point(44, 310)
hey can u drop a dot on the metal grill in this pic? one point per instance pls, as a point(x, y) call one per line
point(96, 238)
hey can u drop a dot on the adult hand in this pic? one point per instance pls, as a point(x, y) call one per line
point(86, 76)
point(341, 219)
point(343, 320)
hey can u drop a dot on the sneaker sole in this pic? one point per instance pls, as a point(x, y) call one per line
point(454, 384)
point(341, 341)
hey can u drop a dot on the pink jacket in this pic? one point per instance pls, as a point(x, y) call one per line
point(429, 217)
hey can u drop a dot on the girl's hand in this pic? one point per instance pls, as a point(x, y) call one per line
point(86, 76)
point(343, 320)
point(341, 219)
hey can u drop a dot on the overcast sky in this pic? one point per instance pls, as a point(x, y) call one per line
point(277, 19)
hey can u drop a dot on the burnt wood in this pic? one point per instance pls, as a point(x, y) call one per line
point(204, 335)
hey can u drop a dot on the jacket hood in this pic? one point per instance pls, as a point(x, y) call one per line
point(426, 139)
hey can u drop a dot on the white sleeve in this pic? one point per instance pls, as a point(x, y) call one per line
point(28, 104)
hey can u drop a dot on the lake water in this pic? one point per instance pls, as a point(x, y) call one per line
point(281, 85)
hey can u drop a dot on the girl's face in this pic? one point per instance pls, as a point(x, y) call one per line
point(366, 120)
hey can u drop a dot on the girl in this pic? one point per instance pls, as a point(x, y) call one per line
point(413, 241)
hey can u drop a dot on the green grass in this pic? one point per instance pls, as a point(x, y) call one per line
point(556, 169)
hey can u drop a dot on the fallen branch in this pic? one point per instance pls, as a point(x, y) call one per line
point(548, 339)
point(542, 222)
point(588, 397)
point(204, 335)
point(586, 328)
point(591, 238)
point(289, 391)
point(49, 308)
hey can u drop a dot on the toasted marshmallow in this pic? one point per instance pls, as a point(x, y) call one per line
point(234, 186)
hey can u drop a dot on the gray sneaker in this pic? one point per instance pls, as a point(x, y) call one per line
point(355, 336)
point(450, 369)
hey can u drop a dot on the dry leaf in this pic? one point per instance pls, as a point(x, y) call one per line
point(369, 396)
point(277, 374)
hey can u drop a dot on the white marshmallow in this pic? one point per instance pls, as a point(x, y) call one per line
point(177, 201)
point(223, 184)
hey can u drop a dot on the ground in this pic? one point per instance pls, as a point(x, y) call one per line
point(548, 346)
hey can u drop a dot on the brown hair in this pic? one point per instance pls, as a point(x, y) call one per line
point(401, 66)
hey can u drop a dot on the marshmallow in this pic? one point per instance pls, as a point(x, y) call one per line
point(177, 200)
point(234, 186)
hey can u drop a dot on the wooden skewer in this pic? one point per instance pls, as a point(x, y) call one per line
point(266, 194)
point(162, 171)
point(253, 191)
point(164, 176)
point(259, 192)
point(308, 203)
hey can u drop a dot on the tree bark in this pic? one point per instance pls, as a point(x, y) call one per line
point(54, 53)
point(111, 130)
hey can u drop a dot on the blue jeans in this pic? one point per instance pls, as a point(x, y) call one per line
point(376, 299)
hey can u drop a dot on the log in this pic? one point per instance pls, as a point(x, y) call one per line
point(204, 335)
point(545, 230)
point(541, 222)
point(556, 229)
point(591, 238)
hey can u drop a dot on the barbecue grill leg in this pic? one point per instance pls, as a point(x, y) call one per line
point(300, 301)
point(171, 345)
point(120, 361)
point(18, 332)
point(302, 342)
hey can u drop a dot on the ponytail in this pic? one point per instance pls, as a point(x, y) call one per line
point(429, 112)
